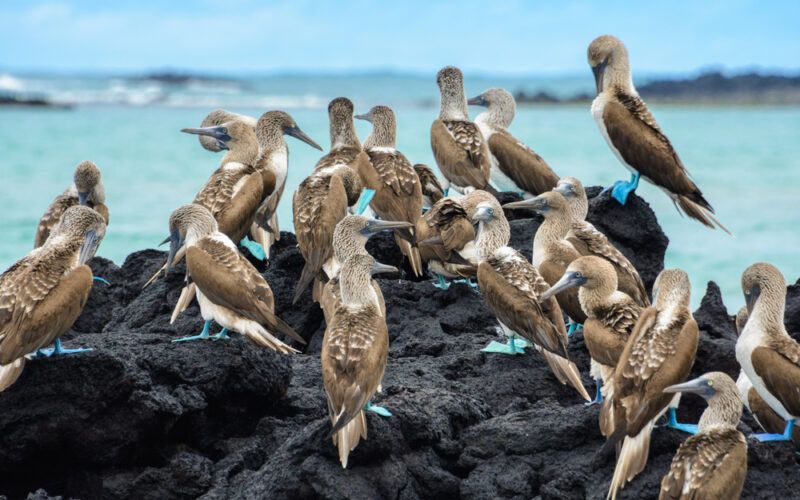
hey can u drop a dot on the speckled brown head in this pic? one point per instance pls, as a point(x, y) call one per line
point(384, 127)
point(473, 198)
point(218, 117)
point(235, 136)
point(608, 59)
point(589, 272)
point(342, 128)
point(721, 394)
point(355, 279)
point(763, 283)
point(741, 320)
point(273, 125)
point(186, 225)
point(451, 87)
point(672, 288)
point(88, 183)
point(352, 233)
point(571, 188)
point(493, 229)
point(79, 227)
point(500, 104)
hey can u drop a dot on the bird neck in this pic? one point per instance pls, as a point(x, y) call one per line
point(596, 297)
point(356, 288)
point(348, 243)
point(554, 228)
point(724, 411)
point(246, 154)
point(618, 75)
point(491, 236)
point(497, 116)
point(382, 136)
point(198, 229)
point(454, 106)
point(270, 138)
point(770, 308)
point(578, 208)
point(343, 134)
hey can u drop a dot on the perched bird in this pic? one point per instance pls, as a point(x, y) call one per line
point(515, 166)
point(458, 145)
point(355, 349)
point(765, 416)
point(398, 191)
point(713, 463)
point(323, 198)
point(87, 189)
point(218, 117)
point(769, 357)
point(443, 232)
point(43, 293)
point(634, 136)
point(513, 291)
point(273, 164)
point(587, 240)
point(229, 289)
point(660, 353)
point(611, 316)
point(432, 190)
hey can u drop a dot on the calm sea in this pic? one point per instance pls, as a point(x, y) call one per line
point(746, 159)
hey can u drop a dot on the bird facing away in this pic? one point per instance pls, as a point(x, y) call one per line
point(229, 289)
point(713, 463)
point(273, 165)
point(355, 349)
point(87, 189)
point(766, 353)
point(611, 316)
point(458, 145)
point(588, 240)
point(660, 353)
point(216, 118)
point(43, 293)
point(398, 191)
point(432, 190)
point(634, 136)
point(512, 289)
point(515, 166)
point(443, 232)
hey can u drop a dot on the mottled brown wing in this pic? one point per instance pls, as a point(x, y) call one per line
point(596, 243)
point(102, 209)
point(395, 170)
point(430, 183)
point(781, 375)
point(400, 195)
point(521, 164)
point(51, 217)
point(450, 221)
point(220, 187)
point(605, 346)
point(457, 164)
point(236, 217)
point(340, 156)
point(47, 304)
point(509, 288)
point(708, 466)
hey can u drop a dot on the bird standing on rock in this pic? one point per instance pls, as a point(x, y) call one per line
point(43, 293)
point(229, 289)
point(515, 166)
point(432, 190)
point(443, 232)
point(713, 463)
point(634, 136)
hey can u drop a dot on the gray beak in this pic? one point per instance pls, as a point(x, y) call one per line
point(537, 204)
point(378, 268)
point(220, 133)
point(700, 386)
point(299, 134)
point(478, 101)
point(89, 247)
point(569, 280)
point(751, 298)
point(364, 116)
point(599, 71)
point(375, 226)
point(483, 214)
point(82, 197)
point(175, 244)
point(565, 189)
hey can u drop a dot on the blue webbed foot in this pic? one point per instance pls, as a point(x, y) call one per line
point(598, 395)
point(672, 421)
point(380, 410)
point(222, 335)
point(202, 336)
point(441, 283)
point(621, 189)
point(254, 248)
point(786, 436)
point(573, 327)
point(101, 280)
point(364, 200)
point(467, 281)
point(512, 346)
point(58, 350)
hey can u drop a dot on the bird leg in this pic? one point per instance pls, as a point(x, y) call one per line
point(222, 335)
point(598, 395)
point(573, 327)
point(441, 283)
point(621, 189)
point(101, 280)
point(513, 345)
point(364, 199)
point(254, 248)
point(203, 335)
point(468, 281)
point(380, 410)
point(57, 350)
point(672, 421)
point(786, 436)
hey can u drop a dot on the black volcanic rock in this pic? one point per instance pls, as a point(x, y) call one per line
point(142, 417)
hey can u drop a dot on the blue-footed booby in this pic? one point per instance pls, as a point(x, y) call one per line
point(611, 316)
point(229, 289)
point(443, 232)
point(769, 357)
point(86, 189)
point(458, 145)
point(587, 240)
point(515, 166)
point(398, 191)
point(354, 353)
point(432, 190)
point(713, 463)
point(218, 117)
point(634, 136)
point(273, 164)
point(660, 353)
point(43, 293)
point(512, 289)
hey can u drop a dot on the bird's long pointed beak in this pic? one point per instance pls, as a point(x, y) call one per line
point(363, 116)
point(375, 226)
point(569, 280)
point(379, 268)
point(751, 298)
point(699, 386)
point(482, 214)
point(564, 188)
point(166, 240)
point(82, 198)
point(532, 203)
point(175, 244)
point(219, 133)
point(299, 134)
point(88, 247)
point(599, 72)
point(477, 101)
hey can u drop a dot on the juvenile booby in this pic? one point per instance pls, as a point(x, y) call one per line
point(273, 164)
point(354, 353)
point(515, 166)
point(660, 353)
point(432, 190)
point(611, 316)
point(767, 354)
point(458, 145)
point(512, 289)
point(713, 463)
point(218, 117)
point(634, 136)
point(43, 293)
point(587, 240)
point(398, 191)
point(229, 289)
point(86, 189)
point(443, 232)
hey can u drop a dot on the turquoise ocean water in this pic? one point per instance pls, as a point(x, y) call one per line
point(745, 159)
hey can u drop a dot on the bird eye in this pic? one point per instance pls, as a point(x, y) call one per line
point(224, 130)
point(710, 383)
point(578, 275)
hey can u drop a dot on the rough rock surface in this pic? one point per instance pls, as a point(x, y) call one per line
point(142, 417)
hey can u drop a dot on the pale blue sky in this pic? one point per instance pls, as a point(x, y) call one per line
point(497, 36)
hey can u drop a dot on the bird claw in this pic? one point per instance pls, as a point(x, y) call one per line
point(57, 350)
point(512, 347)
point(222, 335)
point(598, 395)
point(441, 283)
point(573, 327)
point(202, 336)
point(621, 189)
point(472, 284)
point(769, 437)
point(672, 421)
point(255, 249)
point(379, 410)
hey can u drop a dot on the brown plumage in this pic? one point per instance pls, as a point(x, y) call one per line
point(355, 350)
point(445, 230)
point(432, 190)
point(660, 353)
point(43, 293)
point(713, 463)
point(218, 117)
point(87, 189)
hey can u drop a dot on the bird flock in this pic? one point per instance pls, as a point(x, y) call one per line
point(452, 229)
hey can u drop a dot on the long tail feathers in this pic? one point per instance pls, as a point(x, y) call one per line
point(631, 460)
point(607, 417)
point(187, 295)
point(698, 212)
point(347, 437)
point(566, 372)
point(265, 339)
point(10, 373)
point(262, 237)
point(412, 252)
point(306, 277)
